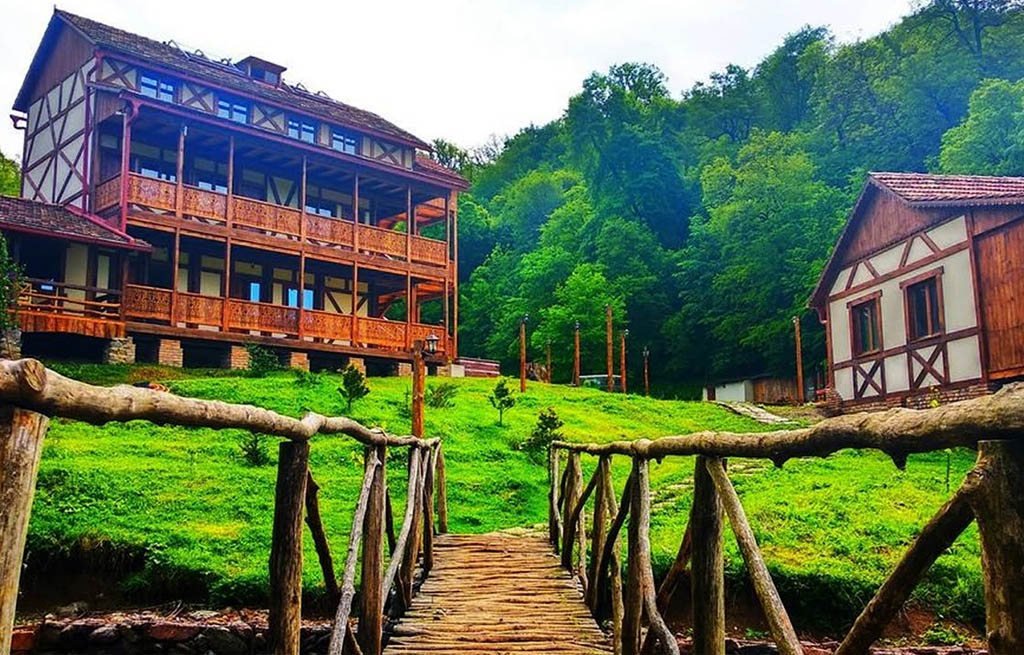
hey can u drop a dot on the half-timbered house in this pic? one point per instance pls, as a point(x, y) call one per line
point(176, 207)
point(923, 297)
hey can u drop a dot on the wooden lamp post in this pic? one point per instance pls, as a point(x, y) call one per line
point(522, 353)
point(622, 357)
point(647, 379)
point(550, 374)
point(608, 343)
point(417, 387)
point(799, 362)
point(576, 358)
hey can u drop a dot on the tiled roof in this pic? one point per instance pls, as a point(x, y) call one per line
point(425, 163)
point(20, 215)
point(953, 189)
point(230, 77)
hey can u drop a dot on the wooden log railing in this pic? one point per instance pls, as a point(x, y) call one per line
point(992, 495)
point(30, 394)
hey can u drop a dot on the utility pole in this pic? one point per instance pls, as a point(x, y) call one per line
point(647, 379)
point(522, 354)
point(608, 343)
point(576, 358)
point(799, 362)
point(550, 374)
point(622, 357)
point(417, 388)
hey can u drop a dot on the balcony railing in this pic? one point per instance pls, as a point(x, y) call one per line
point(160, 196)
point(206, 312)
point(48, 306)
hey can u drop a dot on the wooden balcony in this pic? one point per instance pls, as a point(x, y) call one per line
point(192, 311)
point(240, 213)
point(46, 306)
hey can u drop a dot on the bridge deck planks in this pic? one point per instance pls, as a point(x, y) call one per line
point(497, 593)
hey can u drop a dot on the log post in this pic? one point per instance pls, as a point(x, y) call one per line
point(428, 513)
point(573, 484)
point(389, 520)
point(576, 357)
point(599, 531)
point(778, 620)
point(608, 346)
point(21, 443)
point(409, 556)
point(708, 567)
point(418, 374)
point(554, 520)
point(320, 543)
point(371, 616)
point(634, 593)
point(442, 492)
point(522, 355)
point(285, 618)
point(999, 509)
point(615, 558)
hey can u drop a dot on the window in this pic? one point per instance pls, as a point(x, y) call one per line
point(307, 298)
point(156, 87)
point(924, 308)
point(302, 129)
point(233, 110)
point(867, 333)
point(343, 141)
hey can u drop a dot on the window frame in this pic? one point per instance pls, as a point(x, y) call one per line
point(234, 104)
point(303, 126)
point(875, 300)
point(161, 81)
point(339, 133)
point(933, 276)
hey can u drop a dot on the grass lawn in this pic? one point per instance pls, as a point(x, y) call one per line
point(195, 518)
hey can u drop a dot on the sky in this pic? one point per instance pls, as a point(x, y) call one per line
point(461, 70)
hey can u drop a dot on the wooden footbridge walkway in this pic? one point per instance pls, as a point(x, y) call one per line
point(497, 593)
point(423, 591)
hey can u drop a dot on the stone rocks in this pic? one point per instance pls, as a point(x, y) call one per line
point(170, 353)
point(224, 641)
point(10, 344)
point(172, 631)
point(119, 351)
point(299, 360)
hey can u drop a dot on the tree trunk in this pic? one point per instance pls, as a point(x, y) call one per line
point(285, 618)
point(371, 617)
point(21, 443)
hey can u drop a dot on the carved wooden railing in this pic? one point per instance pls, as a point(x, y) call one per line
point(993, 495)
point(30, 394)
point(150, 303)
point(382, 241)
point(62, 298)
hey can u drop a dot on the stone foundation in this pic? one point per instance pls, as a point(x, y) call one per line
point(238, 357)
point(169, 353)
point(404, 369)
point(10, 344)
point(451, 371)
point(299, 360)
point(921, 399)
point(119, 351)
point(359, 363)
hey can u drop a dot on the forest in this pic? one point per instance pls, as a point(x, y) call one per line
point(704, 218)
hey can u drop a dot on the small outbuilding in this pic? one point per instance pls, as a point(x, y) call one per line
point(923, 297)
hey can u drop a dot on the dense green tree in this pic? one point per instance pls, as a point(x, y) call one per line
point(10, 176)
point(990, 140)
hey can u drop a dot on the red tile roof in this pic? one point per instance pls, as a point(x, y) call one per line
point(426, 164)
point(231, 77)
point(953, 189)
point(30, 216)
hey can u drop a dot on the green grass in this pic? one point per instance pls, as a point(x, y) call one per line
point(196, 519)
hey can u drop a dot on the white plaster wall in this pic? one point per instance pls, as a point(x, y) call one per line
point(844, 383)
point(964, 359)
point(738, 391)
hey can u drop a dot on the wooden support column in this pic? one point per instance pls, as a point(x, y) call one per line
point(418, 459)
point(708, 568)
point(447, 274)
point(608, 343)
point(285, 617)
point(647, 376)
point(547, 363)
point(554, 518)
point(799, 361)
point(229, 213)
point(999, 509)
point(180, 171)
point(622, 359)
point(21, 444)
point(634, 592)
point(126, 144)
point(522, 355)
point(442, 492)
point(227, 285)
point(455, 274)
point(371, 617)
point(576, 356)
point(410, 223)
point(428, 512)
point(418, 375)
point(573, 492)
point(355, 303)
point(408, 310)
point(300, 329)
point(598, 533)
point(302, 292)
point(175, 262)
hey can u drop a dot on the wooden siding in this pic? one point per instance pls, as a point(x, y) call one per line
point(886, 220)
point(1000, 261)
point(69, 53)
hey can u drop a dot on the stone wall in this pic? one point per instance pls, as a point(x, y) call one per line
point(299, 360)
point(119, 351)
point(10, 344)
point(238, 357)
point(170, 353)
point(922, 399)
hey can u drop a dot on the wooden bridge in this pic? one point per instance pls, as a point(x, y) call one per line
point(423, 590)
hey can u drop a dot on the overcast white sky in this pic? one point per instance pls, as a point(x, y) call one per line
point(457, 69)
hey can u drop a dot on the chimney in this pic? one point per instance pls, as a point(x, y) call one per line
point(261, 70)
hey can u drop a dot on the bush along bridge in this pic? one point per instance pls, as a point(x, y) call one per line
point(426, 591)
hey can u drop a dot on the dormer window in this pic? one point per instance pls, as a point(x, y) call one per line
point(233, 109)
point(155, 86)
point(344, 141)
point(302, 129)
point(262, 70)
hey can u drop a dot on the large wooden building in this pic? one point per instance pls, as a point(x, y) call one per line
point(923, 298)
point(176, 207)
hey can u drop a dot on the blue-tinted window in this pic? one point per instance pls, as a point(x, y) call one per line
point(343, 141)
point(302, 129)
point(233, 110)
point(307, 298)
point(157, 87)
point(254, 291)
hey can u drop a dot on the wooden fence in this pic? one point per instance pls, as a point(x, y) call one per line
point(29, 394)
point(992, 494)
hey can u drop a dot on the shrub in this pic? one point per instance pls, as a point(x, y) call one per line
point(262, 360)
point(501, 399)
point(353, 385)
point(442, 395)
point(547, 430)
point(253, 449)
point(306, 378)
